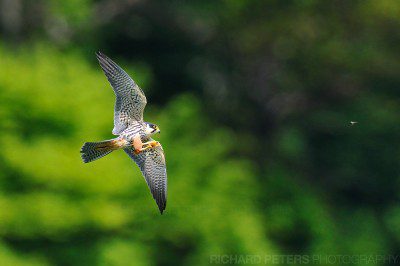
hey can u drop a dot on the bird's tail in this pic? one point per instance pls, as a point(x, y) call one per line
point(91, 151)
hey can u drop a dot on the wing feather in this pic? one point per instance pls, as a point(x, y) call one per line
point(153, 167)
point(130, 99)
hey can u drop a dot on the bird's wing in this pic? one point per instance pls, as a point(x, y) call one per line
point(130, 99)
point(152, 164)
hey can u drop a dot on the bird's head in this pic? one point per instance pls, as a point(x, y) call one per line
point(151, 129)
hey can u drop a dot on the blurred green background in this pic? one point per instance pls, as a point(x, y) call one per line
point(254, 100)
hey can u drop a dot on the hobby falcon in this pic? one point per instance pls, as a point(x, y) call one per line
point(134, 135)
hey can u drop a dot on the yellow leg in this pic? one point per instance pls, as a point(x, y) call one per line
point(149, 145)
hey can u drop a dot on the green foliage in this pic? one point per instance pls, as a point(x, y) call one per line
point(68, 10)
point(50, 197)
point(254, 100)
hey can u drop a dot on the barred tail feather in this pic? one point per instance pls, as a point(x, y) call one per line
point(91, 151)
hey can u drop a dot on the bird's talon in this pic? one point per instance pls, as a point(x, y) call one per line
point(151, 144)
point(156, 144)
point(147, 145)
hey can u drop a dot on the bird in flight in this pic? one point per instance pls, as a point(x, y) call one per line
point(134, 135)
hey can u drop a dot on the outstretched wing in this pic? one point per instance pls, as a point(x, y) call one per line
point(130, 99)
point(152, 164)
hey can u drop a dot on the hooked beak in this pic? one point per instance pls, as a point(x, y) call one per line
point(157, 129)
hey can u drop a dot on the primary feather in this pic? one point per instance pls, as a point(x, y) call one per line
point(152, 164)
point(130, 99)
